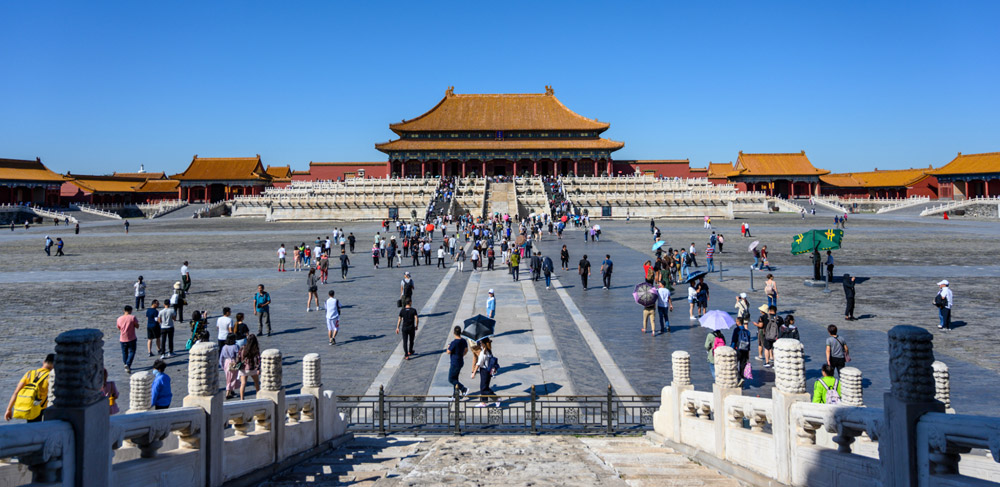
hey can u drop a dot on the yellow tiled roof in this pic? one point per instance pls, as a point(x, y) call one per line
point(719, 170)
point(105, 184)
point(224, 169)
point(508, 144)
point(893, 178)
point(158, 186)
point(780, 164)
point(984, 163)
point(22, 170)
point(281, 172)
point(534, 111)
point(144, 175)
point(383, 163)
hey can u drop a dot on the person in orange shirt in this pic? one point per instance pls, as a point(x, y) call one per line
point(126, 336)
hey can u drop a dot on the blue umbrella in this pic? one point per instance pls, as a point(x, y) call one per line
point(717, 320)
point(658, 244)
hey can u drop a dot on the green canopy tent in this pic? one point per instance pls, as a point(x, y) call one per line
point(815, 241)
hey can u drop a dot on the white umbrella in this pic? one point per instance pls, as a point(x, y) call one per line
point(753, 245)
point(717, 320)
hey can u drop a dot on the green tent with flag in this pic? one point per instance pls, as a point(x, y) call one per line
point(804, 243)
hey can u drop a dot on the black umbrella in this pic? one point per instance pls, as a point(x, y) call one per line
point(479, 327)
point(694, 276)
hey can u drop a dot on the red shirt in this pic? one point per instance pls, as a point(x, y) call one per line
point(126, 328)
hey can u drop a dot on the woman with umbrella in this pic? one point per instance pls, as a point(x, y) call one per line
point(646, 296)
point(716, 321)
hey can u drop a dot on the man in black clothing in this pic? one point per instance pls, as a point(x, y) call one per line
point(584, 270)
point(345, 261)
point(350, 241)
point(407, 322)
point(536, 266)
point(849, 295)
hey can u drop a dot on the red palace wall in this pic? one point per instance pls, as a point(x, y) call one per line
point(337, 171)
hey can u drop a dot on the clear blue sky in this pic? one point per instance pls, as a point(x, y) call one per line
point(97, 88)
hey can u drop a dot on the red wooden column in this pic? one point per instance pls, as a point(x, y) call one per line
point(534, 168)
point(610, 168)
point(514, 168)
point(596, 171)
point(484, 169)
point(576, 165)
point(423, 168)
point(791, 189)
point(464, 164)
point(442, 168)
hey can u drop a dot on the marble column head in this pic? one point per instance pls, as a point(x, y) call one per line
point(79, 368)
point(942, 383)
point(850, 387)
point(270, 374)
point(789, 366)
point(726, 374)
point(311, 375)
point(203, 364)
point(681, 366)
point(911, 353)
point(140, 394)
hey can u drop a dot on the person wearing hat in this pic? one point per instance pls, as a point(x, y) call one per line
point(177, 301)
point(491, 305)
point(943, 300)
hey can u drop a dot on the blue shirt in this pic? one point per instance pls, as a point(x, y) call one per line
point(259, 299)
point(457, 347)
point(161, 389)
point(151, 314)
point(491, 306)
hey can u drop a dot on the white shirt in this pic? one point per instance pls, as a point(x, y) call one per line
point(332, 309)
point(184, 270)
point(317, 251)
point(441, 253)
point(224, 322)
point(281, 252)
point(663, 297)
point(327, 243)
point(692, 293)
point(946, 294)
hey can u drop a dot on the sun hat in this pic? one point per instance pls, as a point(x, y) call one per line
point(491, 291)
point(763, 308)
point(743, 295)
point(177, 285)
point(943, 283)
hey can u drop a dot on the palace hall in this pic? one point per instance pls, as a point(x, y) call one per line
point(499, 135)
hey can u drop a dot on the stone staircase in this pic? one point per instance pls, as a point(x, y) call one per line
point(500, 461)
point(502, 199)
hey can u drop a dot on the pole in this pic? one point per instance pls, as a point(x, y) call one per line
point(609, 411)
point(381, 410)
point(751, 279)
point(534, 426)
point(720, 272)
point(456, 401)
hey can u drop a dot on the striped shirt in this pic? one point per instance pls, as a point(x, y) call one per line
point(709, 252)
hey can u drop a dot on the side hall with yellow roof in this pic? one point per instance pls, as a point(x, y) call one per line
point(211, 179)
point(787, 175)
point(28, 182)
point(970, 176)
point(893, 183)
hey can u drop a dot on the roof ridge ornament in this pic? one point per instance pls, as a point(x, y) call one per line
point(450, 91)
point(549, 91)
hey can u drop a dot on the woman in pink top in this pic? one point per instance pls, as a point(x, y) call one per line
point(126, 336)
point(110, 391)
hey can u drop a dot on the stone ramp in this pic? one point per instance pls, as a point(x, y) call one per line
point(500, 461)
point(503, 199)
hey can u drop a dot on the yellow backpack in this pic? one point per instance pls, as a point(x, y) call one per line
point(28, 404)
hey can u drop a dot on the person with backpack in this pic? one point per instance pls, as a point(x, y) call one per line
point(486, 366)
point(740, 341)
point(826, 390)
point(788, 328)
point(769, 325)
point(31, 396)
point(607, 266)
point(943, 300)
point(713, 340)
point(547, 268)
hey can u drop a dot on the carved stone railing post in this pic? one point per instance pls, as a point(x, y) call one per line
point(790, 388)
point(726, 380)
point(850, 387)
point(942, 384)
point(140, 393)
point(911, 375)
point(325, 413)
point(78, 401)
point(204, 393)
point(271, 388)
point(667, 421)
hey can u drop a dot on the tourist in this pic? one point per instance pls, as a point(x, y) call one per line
point(771, 291)
point(740, 341)
point(31, 396)
point(769, 324)
point(693, 254)
point(250, 357)
point(756, 259)
point(305, 254)
point(332, 317)
point(649, 315)
point(474, 258)
point(710, 257)
point(837, 352)
point(407, 325)
point(440, 257)
point(536, 266)
point(515, 265)
point(224, 323)
point(165, 321)
point(763, 259)
point(713, 341)
point(296, 259)
point(483, 364)
point(649, 272)
point(110, 392)
point(457, 349)
point(583, 268)
point(76, 228)
point(153, 328)
point(685, 261)
point(943, 300)
point(406, 287)
point(350, 241)
point(375, 255)
point(281, 258)
point(126, 224)
point(324, 267)
point(460, 258)
point(126, 337)
point(262, 307)
point(59, 247)
point(742, 307)
point(829, 266)
point(746, 230)
point(607, 267)
point(312, 286)
point(491, 257)
point(663, 306)
point(720, 241)
point(849, 295)
point(564, 258)
point(186, 277)
point(547, 268)
point(826, 389)
point(491, 305)
point(702, 296)
point(415, 251)
point(390, 254)
point(48, 245)
point(427, 251)
point(228, 361)
point(199, 328)
point(345, 263)
point(161, 393)
point(240, 330)
point(788, 328)
point(140, 293)
point(692, 298)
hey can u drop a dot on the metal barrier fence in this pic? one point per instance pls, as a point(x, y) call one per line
point(602, 414)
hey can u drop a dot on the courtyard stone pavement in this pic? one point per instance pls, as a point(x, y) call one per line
point(561, 339)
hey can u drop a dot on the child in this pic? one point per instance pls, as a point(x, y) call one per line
point(161, 386)
point(110, 391)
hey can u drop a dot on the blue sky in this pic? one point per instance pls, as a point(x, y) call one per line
point(94, 87)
